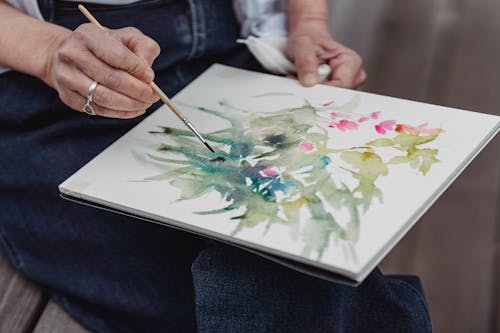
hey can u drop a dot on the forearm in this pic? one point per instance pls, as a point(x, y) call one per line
point(302, 11)
point(25, 42)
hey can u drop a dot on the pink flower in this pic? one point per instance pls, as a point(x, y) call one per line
point(406, 128)
point(430, 131)
point(345, 124)
point(386, 125)
point(421, 129)
point(269, 172)
point(327, 104)
point(333, 115)
point(363, 119)
point(306, 146)
point(375, 115)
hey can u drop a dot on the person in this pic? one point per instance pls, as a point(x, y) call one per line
point(114, 274)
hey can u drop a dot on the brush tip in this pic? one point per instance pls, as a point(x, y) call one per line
point(208, 146)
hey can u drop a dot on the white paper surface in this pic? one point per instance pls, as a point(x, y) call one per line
point(116, 176)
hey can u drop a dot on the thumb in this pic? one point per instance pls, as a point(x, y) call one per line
point(307, 64)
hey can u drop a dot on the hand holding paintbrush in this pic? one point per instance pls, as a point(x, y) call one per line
point(118, 60)
point(162, 95)
point(105, 72)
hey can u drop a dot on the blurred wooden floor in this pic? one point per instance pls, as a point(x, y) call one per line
point(444, 52)
point(438, 51)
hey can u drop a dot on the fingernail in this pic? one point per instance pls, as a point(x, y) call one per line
point(149, 75)
point(309, 80)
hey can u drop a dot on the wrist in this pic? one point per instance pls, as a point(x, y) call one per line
point(306, 13)
point(43, 67)
point(309, 25)
point(312, 28)
point(26, 43)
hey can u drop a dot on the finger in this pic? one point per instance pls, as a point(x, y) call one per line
point(330, 45)
point(341, 77)
point(327, 55)
point(112, 78)
point(77, 81)
point(108, 98)
point(76, 102)
point(306, 62)
point(142, 45)
point(360, 79)
point(113, 52)
point(358, 82)
point(345, 69)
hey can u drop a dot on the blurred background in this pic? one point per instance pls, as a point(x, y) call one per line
point(444, 52)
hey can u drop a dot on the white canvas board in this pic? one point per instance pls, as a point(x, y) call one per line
point(386, 160)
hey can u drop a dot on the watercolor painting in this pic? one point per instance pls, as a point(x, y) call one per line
point(324, 177)
point(280, 167)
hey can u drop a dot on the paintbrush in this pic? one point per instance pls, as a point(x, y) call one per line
point(157, 89)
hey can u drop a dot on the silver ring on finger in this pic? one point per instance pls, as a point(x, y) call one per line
point(87, 108)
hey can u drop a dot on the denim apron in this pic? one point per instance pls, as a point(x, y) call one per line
point(115, 274)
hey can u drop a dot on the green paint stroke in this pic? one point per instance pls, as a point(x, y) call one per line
point(276, 168)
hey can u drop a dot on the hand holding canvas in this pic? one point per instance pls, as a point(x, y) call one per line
point(310, 44)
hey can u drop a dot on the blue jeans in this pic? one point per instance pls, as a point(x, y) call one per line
point(116, 274)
